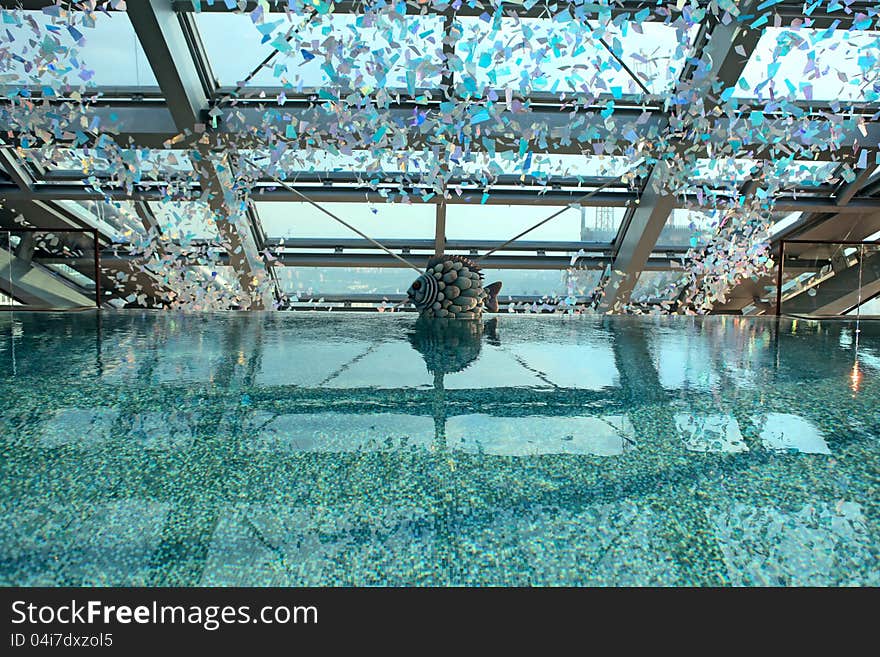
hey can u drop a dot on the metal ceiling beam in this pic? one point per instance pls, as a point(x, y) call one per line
point(232, 223)
point(42, 213)
point(161, 33)
point(637, 243)
point(526, 197)
point(15, 169)
point(260, 240)
point(849, 190)
point(147, 217)
point(536, 196)
point(165, 37)
point(845, 227)
point(718, 67)
point(787, 11)
point(33, 284)
point(383, 260)
point(451, 245)
point(841, 292)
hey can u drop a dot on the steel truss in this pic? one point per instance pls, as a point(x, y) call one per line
point(188, 91)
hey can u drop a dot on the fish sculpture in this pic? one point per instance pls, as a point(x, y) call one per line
point(452, 288)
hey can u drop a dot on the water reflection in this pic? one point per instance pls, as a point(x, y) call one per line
point(449, 346)
point(314, 449)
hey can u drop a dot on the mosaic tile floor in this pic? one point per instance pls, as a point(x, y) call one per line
point(328, 449)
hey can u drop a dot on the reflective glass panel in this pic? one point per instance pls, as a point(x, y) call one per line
point(502, 222)
point(51, 50)
point(687, 228)
point(377, 220)
point(315, 281)
point(544, 282)
point(811, 64)
point(363, 52)
point(185, 221)
point(118, 220)
point(532, 55)
point(656, 286)
point(144, 162)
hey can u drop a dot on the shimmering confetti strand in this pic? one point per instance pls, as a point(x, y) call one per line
point(11, 309)
point(698, 124)
point(739, 250)
point(293, 31)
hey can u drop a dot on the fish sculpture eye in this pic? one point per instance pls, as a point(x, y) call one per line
point(417, 285)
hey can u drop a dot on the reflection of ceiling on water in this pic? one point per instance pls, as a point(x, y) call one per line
point(179, 451)
point(522, 435)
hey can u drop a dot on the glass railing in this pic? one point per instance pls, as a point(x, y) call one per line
point(827, 279)
point(49, 269)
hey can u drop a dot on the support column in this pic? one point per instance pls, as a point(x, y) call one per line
point(440, 229)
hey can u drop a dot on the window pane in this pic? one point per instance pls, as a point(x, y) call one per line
point(363, 52)
point(315, 281)
point(73, 275)
point(809, 64)
point(871, 307)
point(502, 222)
point(378, 220)
point(687, 228)
point(544, 165)
point(783, 221)
point(797, 173)
point(142, 163)
point(533, 55)
point(477, 166)
point(657, 286)
point(118, 220)
point(184, 221)
point(559, 283)
point(42, 50)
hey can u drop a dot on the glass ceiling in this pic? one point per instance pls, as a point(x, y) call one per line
point(559, 283)
point(308, 282)
point(811, 64)
point(378, 220)
point(327, 49)
point(502, 222)
point(529, 55)
point(533, 55)
point(796, 173)
point(289, 164)
point(47, 52)
point(185, 221)
point(117, 220)
point(620, 71)
point(144, 163)
point(654, 286)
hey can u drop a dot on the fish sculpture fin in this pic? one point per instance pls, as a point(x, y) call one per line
point(492, 291)
point(467, 262)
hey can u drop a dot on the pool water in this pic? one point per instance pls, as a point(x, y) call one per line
point(143, 448)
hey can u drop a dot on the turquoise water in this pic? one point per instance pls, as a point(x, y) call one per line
point(331, 449)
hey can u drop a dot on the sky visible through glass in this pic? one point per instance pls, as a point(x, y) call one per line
point(351, 61)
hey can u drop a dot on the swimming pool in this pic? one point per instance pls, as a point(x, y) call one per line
point(348, 449)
